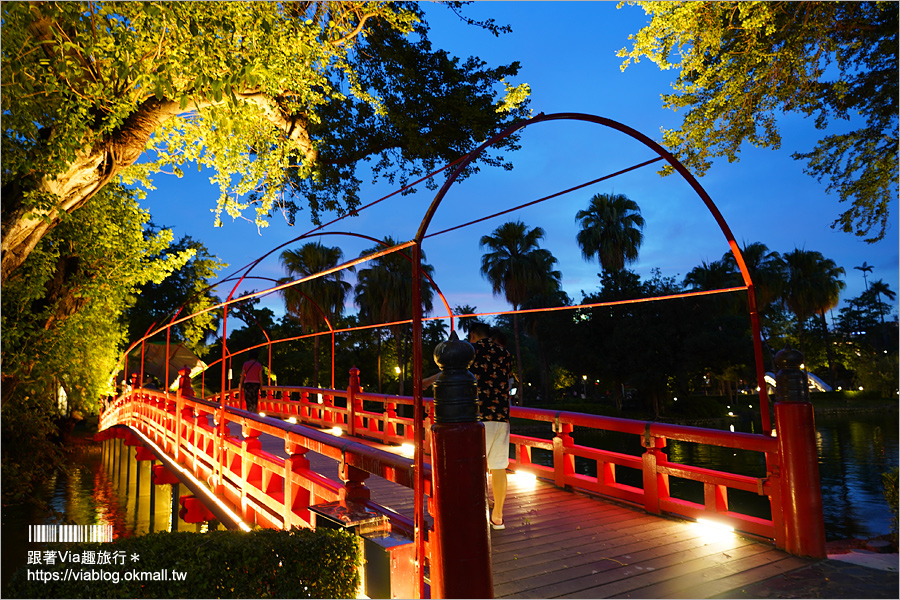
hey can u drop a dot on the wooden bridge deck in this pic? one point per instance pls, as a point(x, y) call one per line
point(563, 544)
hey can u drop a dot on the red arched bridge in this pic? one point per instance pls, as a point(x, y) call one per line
point(340, 457)
point(337, 456)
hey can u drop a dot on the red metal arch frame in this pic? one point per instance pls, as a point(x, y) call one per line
point(423, 229)
point(416, 252)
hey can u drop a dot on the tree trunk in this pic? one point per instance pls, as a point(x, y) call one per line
point(316, 361)
point(519, 368)
point(397, 344)
point(832, 372)
point(379, 361)
point(95, 164)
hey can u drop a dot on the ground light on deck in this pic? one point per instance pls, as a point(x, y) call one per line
point(713, 531)
point(523, 479)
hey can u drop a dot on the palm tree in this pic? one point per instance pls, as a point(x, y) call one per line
point(878, 289)
point(812, 287)
point(465, 323)
point(710, 276)
point(865, 268)
point(768, 273)
point(611, 230)
point(767, 270)
point(384, 295)
point(517, 267)
point(318, 299)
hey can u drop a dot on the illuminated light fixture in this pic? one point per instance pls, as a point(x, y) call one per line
point(731, 427)
point(714, 525)
point(172, 465)
point(757, 388)
point(840, 388)
point(513, 391)
point(730, 414)
point(750, 405)
point(523, 478)
point(397, 370)
point(292, 420)
point(262, 414)
point(321, 399)
point(774, 433)
point(860, 388)
point(407, 449)
point(802, 366)
point(336, 431)
point(584, 377)
point(713, 531)
point(675, 399)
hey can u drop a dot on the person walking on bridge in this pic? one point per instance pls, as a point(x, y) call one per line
point(492, 368)
point(251, 380)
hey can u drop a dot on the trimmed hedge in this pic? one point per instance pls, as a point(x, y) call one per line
point(265, 563)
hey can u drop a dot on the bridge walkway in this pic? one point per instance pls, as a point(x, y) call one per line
point(569, 544)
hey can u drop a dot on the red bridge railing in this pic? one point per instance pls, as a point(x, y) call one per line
point(279, 492)
point(266, 489)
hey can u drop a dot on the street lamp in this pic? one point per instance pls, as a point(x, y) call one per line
point(584, 385)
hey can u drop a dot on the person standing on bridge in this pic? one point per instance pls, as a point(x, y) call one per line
point(251, 380)
point(492, 368)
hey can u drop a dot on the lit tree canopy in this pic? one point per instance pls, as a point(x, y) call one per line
point(742, 64)
point(280, 99)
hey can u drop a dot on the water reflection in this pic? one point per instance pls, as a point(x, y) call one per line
point(99, 488)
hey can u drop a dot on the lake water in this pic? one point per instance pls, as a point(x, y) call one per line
point(854, 450)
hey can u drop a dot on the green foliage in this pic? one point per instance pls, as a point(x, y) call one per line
point(280, 100)
point(611, 230)
point(157, 303)
point(61, 320)
point(383, 293)
point(266, 563)
point(890, 494)
point(741, 65)
point(877, 372)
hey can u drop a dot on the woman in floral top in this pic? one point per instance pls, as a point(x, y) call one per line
point(492, 368)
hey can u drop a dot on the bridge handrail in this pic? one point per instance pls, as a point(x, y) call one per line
point(156, 413)
point(654, 465)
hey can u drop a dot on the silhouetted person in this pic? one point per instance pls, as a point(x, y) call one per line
point(251, 380)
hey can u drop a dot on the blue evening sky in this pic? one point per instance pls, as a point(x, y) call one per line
point(568, 55)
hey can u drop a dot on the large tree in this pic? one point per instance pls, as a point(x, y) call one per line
point(281, 99)
point(813, 286)
point(741, 65)
point(321, 298)
point(63, 327)
point(612, 230)
point(517, 267)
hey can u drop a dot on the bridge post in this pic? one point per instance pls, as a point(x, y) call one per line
point(804, 522)
point(297, 499)
point(354, 404)
point(249, 443)
point(563, 464)
point(461, 556)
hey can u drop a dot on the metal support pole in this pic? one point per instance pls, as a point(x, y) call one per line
point(804, 521)
point(419, 423)
point(462, 539)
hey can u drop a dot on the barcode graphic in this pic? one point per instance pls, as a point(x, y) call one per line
point(70, 533)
